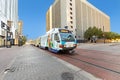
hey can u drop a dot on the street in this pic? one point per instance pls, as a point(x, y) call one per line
point(6, 56)
point(31, 63)
point(101, 61)
point(59, 40)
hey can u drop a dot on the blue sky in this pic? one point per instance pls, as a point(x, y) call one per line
point(33, 15)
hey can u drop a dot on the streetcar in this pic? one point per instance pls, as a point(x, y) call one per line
point(37, 42)
point(58, 40)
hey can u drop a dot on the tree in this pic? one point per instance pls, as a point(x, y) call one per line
point(118, 36)
point(93, 31)
point(111, 35)
point(24, 39)
point(87, 33)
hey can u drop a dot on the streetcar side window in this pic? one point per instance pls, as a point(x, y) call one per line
point(56, 37)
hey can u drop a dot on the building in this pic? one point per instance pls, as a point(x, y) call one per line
point(78, 15)
point(20, 27)
point(18, 32)
point(8, 20)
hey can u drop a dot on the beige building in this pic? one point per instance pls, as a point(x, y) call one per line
point(20, 27)
point(78, 15)
point(19, 31)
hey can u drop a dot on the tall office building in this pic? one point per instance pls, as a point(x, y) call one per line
point(18, 32)
point(8, 17)
point(78, 15)
point(20, 27)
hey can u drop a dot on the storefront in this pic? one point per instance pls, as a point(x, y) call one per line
point(2, 41)
point(6, 36)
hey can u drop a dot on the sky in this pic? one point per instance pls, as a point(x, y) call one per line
point(33, 15)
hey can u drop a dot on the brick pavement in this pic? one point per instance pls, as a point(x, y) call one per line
point(34, 64)
point(6, 56)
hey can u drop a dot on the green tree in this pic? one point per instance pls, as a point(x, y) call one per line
point(88, 33)
point(24, 39)
point(111, 35)
point(118, 36)
point(93, 31)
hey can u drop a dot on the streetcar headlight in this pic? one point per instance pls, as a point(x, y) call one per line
point(74, 45)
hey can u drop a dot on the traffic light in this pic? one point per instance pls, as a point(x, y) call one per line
point(2, 24)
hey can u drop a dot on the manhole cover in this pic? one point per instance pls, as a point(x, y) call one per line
point(10, 70)
point(67, 76)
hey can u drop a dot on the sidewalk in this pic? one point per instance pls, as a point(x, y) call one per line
point(108, 47)
point(8, 48)
point(2, 48)
point(32, 64)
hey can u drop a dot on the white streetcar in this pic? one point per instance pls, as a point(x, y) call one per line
point(58, 39)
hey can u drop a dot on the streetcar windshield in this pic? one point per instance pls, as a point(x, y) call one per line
point(67, 37)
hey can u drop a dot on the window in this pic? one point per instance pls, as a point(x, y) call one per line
point(71, 26)
point(71, 17)
point(71, 22)
point(56, 37)
point(70, 4)
point(67, 37)
point(70, 8)
point(71, 13)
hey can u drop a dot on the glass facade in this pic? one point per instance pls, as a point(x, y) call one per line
point(8, 15)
